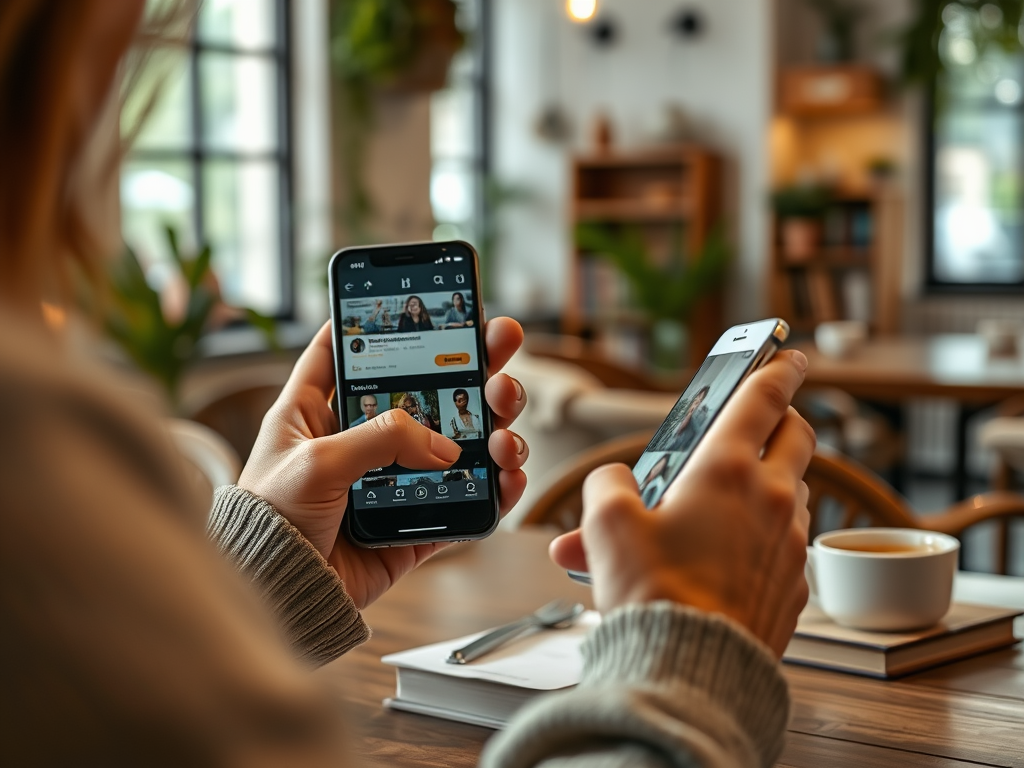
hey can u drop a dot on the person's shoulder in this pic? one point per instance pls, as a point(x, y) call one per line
point(54, 400)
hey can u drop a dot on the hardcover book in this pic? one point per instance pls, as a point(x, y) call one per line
point(965, 631)
point(488, 691)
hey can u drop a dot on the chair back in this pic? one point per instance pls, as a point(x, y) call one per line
point(212, 459)
point(561, 503)
point(845, 494)
point(237, 414)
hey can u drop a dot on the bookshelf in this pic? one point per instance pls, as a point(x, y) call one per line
point(851, 273)
point(664, 194)
point(835, 121)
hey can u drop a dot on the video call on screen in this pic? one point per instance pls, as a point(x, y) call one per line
point(409, 341)
point(687, 422)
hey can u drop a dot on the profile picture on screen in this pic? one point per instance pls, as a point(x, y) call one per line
point(654, 472)
point(460, 413)
point(362, 409)
point(415, 316)
point(459, 313)
point(421, 406)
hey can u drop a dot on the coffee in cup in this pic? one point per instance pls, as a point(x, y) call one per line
point(886, 579)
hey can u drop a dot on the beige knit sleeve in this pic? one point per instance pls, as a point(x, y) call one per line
point(305, 593)
point(663, 685)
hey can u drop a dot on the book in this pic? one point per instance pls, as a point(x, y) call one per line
point(966, 630)
point(488, 691)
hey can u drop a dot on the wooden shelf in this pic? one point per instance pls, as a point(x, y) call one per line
point(844, 281)
point(633, 210)
point(830, 91)
point(833, 257)
point(658, 190)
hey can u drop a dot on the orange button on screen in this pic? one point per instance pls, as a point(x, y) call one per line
point(462, 358)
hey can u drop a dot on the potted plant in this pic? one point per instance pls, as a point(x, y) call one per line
point(799, 209)
point(161, 331)
point(668, 292)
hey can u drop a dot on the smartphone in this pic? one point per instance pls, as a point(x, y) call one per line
point(740, 351)
point(408, 333)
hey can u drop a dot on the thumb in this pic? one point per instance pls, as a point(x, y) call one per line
point(393, 437)
point(567, 552)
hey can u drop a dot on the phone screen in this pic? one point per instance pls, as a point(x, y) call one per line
point(407, 331)
point(699, 405)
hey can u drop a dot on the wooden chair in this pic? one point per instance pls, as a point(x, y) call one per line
point(843, 494)
point(561, 504)
point(211, 460)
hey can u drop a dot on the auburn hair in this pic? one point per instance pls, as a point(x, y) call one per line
point(45, 179)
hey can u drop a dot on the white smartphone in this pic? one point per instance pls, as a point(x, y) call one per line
point(739, 351)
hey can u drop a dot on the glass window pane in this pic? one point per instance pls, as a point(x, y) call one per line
point(239, 102)
point(155, 195)
point(245, 24)
point(978, 196)
point(163, 88)
point(241, 216)
point(452, 192)
point(452, 123)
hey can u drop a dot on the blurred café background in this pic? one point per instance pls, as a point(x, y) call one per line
point(637, 176)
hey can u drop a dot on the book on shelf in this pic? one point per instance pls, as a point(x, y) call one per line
point(965, 631)
point(822, 292)
point(488, 691)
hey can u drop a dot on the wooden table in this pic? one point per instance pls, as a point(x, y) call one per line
point(896, 369)
point(966, 714)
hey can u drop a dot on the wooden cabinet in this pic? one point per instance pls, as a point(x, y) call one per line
point(821, 91)
point(666, 194)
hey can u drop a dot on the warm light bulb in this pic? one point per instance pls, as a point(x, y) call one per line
point(581, 10)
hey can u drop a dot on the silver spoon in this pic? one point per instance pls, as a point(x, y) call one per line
point(555, 614)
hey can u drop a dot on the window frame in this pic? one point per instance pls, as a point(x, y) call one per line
point(197, 156)
point(932, 285)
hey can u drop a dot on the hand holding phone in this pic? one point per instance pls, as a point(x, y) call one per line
point(728, 535)
point(304, 467)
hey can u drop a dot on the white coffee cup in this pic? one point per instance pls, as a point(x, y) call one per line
point(840, 338)
point(886, 579)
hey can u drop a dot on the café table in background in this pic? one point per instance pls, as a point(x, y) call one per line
point(897, 369)
point(969, 713)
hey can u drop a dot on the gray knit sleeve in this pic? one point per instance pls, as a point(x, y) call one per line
point(663, 685)
point(305, 593)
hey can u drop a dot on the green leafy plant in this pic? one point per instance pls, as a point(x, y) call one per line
point(165, 343)
point(975, 24)
point(664, 291)
point(839, 19)
point(800, 201)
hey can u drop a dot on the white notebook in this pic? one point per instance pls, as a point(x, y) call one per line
point(489, 690)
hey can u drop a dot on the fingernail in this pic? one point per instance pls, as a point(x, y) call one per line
point(443, 448)
point(799, 359)
point(519, 389)
point(520, 443)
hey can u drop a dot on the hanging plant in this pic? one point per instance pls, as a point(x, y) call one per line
point(379, 46)
point(960, 32)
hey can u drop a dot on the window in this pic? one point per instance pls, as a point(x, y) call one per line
point(212, 159)
point(459, 134)
point(976, 161)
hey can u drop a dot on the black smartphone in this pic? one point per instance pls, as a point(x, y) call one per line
point(739, 351)
point(408, 333)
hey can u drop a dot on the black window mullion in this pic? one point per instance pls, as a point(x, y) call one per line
point(197, 140)
point(285, 166)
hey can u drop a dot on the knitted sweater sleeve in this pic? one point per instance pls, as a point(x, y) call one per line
point(663, 685)
point(305, 593)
